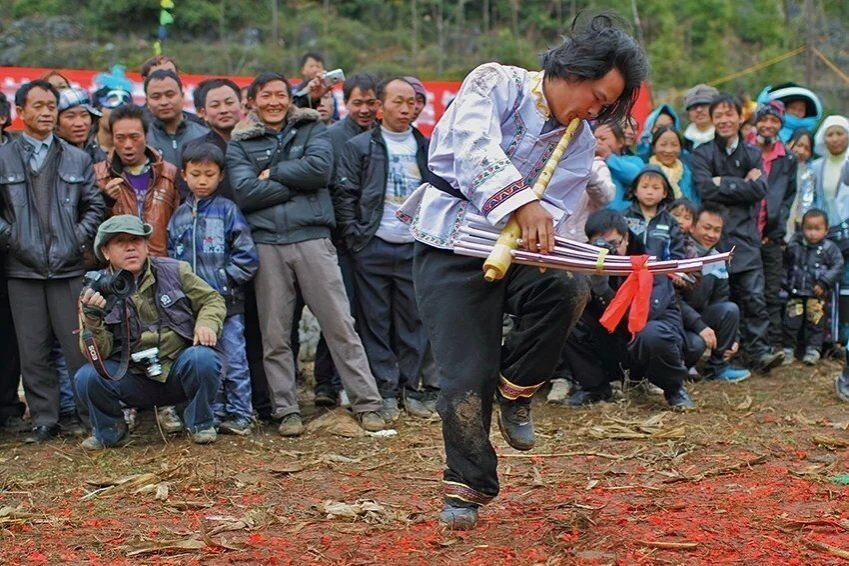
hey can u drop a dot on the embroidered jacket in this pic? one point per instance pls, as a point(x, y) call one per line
point(491, 144)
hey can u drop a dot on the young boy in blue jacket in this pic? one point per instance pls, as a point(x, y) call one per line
point(209, 232)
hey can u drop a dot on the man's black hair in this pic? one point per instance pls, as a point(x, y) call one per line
point(310, 55)
point(129, 112)
point(815, 213)
point(725, 99)
point(711, 208)
point(203, 88)
point(263, 79)
point(362, 81)
point(202, 153)
point(381, 88)
point(161, 75)
point(154, 61)
point(684, 203)
point(22, 93)
point(591, 51)
point(604, 220)
point(5, 111)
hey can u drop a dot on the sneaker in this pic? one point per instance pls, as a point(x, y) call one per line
point(291, 425)
point(390, 411)
point(458, 518)
point(788, 356)
point(240, 426)
point(371, 421)
point(70, 425)
point(650, 388)
point(416, 408)
point(169, 420)
point(841, 385)
point(733, 375)
point(693, 374)
point(769, 361)
point(584, 397)
point(680, 400)
point(430, 398)
point(92, 443)
point(204, 436)
point(812, 356)
point(559, 391)
point(516, 423)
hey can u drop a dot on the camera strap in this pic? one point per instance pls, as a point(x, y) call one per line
point(92, 352)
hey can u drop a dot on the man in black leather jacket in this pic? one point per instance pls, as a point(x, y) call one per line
point(49, 213)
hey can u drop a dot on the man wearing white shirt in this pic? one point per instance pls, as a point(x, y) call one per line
point(377, 172)
point(485, 154)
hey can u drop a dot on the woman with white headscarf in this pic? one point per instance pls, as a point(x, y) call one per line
point(832, 192)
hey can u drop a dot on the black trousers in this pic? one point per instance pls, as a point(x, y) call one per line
point(804, 323)
point(747, 290)
point(773, 260)
point(462, 313)
point(10, 367)
point(388, 315)
point(42, 309)
point(724, 319)
point(253, 347)
point(597, 357)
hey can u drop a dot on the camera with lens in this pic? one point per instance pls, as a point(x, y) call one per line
point(602, 243)
point(112, 286)
point(150, 360)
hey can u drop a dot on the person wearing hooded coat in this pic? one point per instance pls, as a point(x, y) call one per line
point(658, 118)
point(788, 93)
point(831, 143)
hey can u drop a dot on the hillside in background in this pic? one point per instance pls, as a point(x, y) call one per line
point(688, 41)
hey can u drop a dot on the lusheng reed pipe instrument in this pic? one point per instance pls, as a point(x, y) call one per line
point(498, 261)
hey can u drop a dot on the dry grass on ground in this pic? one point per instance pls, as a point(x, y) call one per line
point(754, 476)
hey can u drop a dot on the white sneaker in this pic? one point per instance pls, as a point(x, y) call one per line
point(169, 420)
point(559, 390)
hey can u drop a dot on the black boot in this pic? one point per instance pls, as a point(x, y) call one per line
point(516, 423)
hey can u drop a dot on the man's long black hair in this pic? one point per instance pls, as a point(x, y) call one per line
point(593, 49)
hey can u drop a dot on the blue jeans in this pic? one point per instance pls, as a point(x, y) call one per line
point(67, 404)
point(194, 378)
point(234, 395)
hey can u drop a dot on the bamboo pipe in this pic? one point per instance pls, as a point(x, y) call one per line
point(498, 261)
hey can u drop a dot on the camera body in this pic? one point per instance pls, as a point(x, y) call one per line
point(602, 243)
point(150, 359)
point(333, 77)
point(112, 286)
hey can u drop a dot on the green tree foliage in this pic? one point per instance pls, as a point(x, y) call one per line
point(688, 41)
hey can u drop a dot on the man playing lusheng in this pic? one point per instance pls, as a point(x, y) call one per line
point(485, 154)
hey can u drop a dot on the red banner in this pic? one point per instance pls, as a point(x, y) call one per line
point(439, 93)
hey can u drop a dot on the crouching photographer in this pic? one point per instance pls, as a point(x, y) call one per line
point(148, 327)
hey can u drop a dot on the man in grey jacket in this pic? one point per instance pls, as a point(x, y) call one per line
point(49, 212)
point(280, 161)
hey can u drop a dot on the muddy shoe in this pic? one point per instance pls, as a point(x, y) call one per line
point(70, 425)
point(416, 408)
point(458, 518)
point(325, 397)
point(291, 425)
point(169, 420)
point(516, 423)
point(390, 411)
point(769, 361)
point(679, 400)
point(204, 436)
point(560, 389)
point(371, 421)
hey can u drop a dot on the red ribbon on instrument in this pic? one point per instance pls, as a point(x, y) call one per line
point(635, 293)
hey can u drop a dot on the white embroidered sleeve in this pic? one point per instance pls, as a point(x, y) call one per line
point(472, 137)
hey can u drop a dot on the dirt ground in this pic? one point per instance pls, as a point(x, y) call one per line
point(756, 475)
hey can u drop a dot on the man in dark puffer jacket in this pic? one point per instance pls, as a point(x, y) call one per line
point(280, 161)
